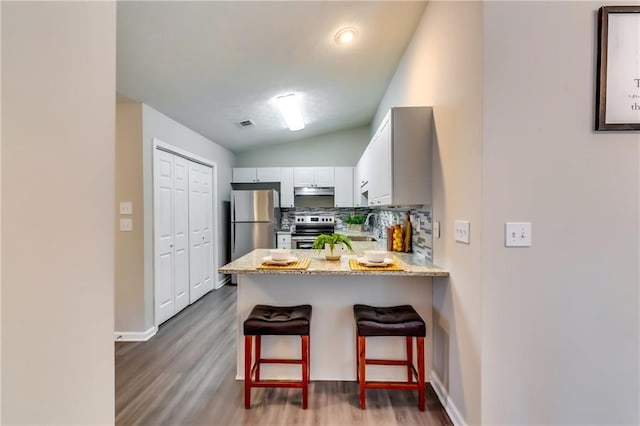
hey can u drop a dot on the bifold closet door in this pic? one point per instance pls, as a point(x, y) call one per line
point(171, 222)
point(200, 231)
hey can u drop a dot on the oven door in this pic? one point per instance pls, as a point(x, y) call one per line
point(302, 242)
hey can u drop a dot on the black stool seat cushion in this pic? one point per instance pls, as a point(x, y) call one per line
point(278, 320)
point(390, 321)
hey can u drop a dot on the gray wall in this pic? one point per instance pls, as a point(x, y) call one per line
point(560, 319)
point(158, 125)
point(342, 148)
point(58, 174)
point(442, 67)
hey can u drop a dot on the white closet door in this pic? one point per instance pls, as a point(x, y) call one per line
point(207, 228)
point(200, 224)
point(163, 211)
point(181, 233)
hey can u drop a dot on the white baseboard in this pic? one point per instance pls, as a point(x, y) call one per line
point(447, 402)
point(226, 280)
point(135, 336)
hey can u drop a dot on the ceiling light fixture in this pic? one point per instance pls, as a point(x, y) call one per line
point(345, 35)
point(291, 112)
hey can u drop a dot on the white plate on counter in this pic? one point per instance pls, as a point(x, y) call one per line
point(268, 260)
point(386, 262)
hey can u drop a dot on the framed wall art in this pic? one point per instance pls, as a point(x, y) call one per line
point(618, 68)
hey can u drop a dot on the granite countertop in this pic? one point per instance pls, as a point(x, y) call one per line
point(413, 265)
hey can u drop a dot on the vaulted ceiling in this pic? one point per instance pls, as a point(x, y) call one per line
point(210, 65)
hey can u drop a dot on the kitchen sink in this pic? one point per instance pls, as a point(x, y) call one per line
point(362, 238)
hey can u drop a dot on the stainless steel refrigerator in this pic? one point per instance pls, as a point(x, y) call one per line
point(255, 215)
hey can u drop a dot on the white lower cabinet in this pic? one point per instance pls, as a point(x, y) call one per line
point(183, 233)
point(284, 241)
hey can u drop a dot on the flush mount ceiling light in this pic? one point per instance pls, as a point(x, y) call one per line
point(291, 112)
point(345, 35)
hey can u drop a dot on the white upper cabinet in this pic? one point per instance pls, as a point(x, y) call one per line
point(286, 187)
point(268, 174)
point(244, 175)
point(313, 176)
point(343, 192)
point(356, 186)
point(255, 174)
point(397, 162)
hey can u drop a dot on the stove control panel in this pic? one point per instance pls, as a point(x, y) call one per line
point(325, 220)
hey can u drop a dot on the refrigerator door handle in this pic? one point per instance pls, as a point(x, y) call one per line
point(233, 240)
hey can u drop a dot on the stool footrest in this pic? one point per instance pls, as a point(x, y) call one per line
point(277, 384)
point(402, 363)
point(279, 361)
point(392, 385)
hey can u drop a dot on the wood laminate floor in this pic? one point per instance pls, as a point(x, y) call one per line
point(185, 375)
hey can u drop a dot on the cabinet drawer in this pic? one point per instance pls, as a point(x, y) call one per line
point(284, 241)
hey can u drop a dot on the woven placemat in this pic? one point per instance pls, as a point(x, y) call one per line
point(302, 263)
point(356, 266)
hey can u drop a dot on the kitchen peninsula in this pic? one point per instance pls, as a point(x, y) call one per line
point(332, 288)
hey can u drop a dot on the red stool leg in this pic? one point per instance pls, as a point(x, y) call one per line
point(421, 390)
point(361, 367)
point(409, 358)
point(305, 370)
point(247, 372)
point(258, 351)
point(357, 359)
point(309, 359)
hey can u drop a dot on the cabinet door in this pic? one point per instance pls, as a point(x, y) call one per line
point(384, 164)
point(379, 162)
point(372, 169)
point(286, 187)
point(323, 176)
point(363, 168)
point(356, 187)
point(284, 241)
point(343, 186)
point(303, 176)
point(268, 174)
point(244, 175)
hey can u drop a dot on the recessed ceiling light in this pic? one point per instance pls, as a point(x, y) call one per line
point(291, 111)
point(345, 35)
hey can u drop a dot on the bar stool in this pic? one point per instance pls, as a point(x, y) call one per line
point(390, 321)
point(278, 321)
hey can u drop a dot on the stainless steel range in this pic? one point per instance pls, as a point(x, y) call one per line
point(308, 227)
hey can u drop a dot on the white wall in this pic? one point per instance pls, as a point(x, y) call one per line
point(560, 319)
point(58, 97)
point(158, 125)
point(342, 148)
point(442, 67)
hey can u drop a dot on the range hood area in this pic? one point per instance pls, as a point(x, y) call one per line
point(314, 197)
point(312, 190)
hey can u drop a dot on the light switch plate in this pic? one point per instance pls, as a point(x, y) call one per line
point(126, 224)
point(517, 234)
point(436, 229)
point(126, 207)
point(462, 231)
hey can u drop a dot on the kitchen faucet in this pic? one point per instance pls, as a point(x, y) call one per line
point(366, 221)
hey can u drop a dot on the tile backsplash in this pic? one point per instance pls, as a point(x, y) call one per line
point(421, 222)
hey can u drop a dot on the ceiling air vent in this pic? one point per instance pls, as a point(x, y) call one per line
point(246, 123)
